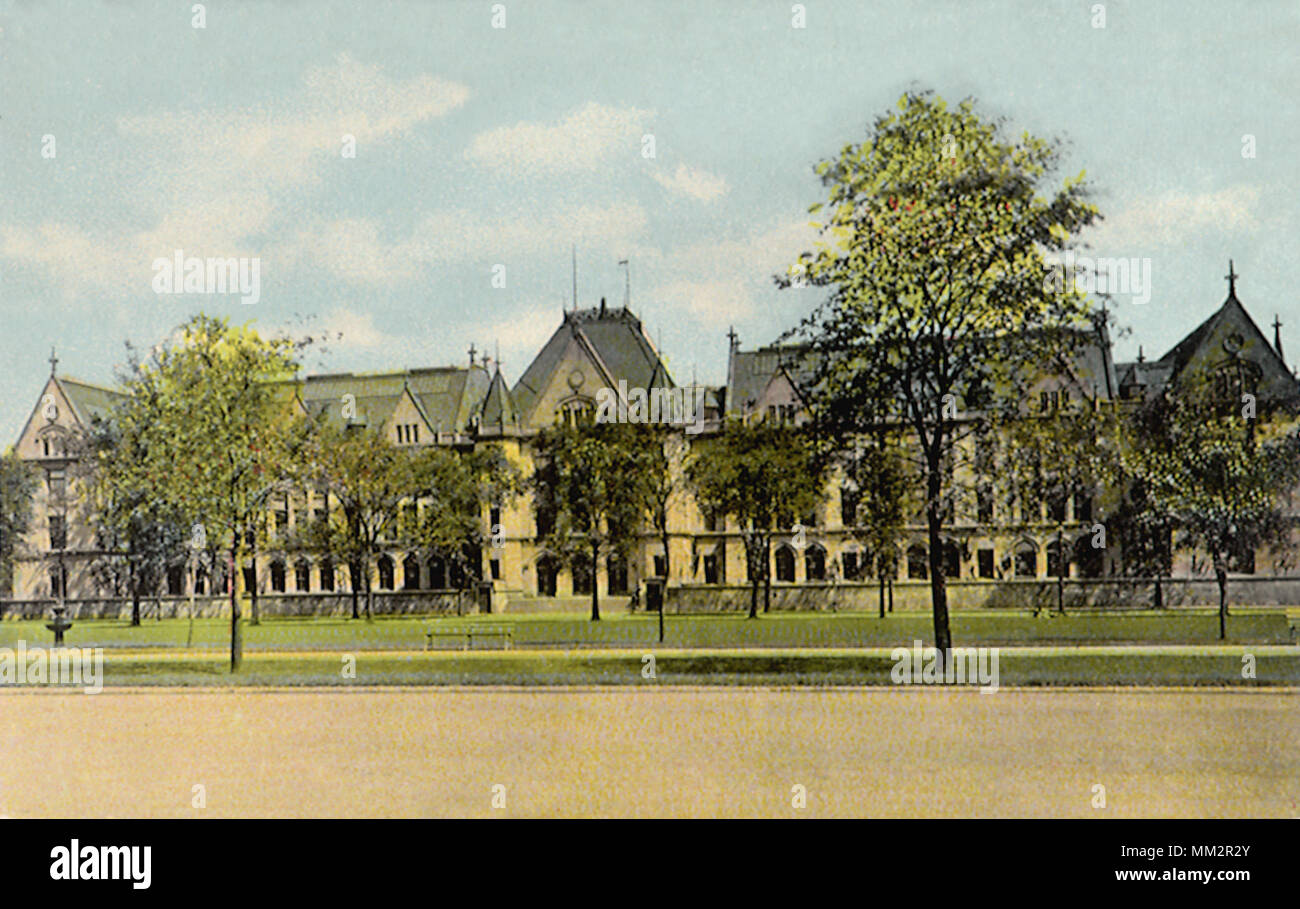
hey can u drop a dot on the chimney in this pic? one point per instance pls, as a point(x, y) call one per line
point(602, 307)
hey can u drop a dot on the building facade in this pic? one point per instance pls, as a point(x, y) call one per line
point(989, 539)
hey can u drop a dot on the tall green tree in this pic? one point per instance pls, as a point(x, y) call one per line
point(880, 490)
point(1219, 463)
point(370, 480)
point(765, 476)
point(941, 297)
point(213, 411)
point(589, 491)
point(138, 534)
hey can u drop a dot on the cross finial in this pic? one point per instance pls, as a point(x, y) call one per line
point(54, 361)
point(1232, 280)
point(472, 351)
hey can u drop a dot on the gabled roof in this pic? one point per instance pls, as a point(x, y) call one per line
point(1207, 339)
point(89, 402)
point(752, 370)
point(498, 412)
point(615, 341)
point(446, 397)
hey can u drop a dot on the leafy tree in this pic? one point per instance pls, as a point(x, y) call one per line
point(880, 489)
point(212, 408)
point(1054, 455)
point(1218, 463)
point(589, 491)
point(137, 533)
point(17, 486)
point(377, 487)
point(370, 479)
point(765, 476)
point(941, 299)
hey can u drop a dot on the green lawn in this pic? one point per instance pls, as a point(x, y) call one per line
point(1275, 665)
point(797, 630)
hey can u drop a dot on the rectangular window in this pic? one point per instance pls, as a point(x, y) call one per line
point(58, 484)
point(415, 433)
point(984, 504)
point(58, 532)
point(985, 559)
point(495, 565)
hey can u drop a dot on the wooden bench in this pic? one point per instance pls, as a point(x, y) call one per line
point(469, 633)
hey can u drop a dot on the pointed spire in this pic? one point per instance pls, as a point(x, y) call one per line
point(1277, 336)
point(1232, 277)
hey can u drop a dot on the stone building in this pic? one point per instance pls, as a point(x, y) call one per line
point(991, 540)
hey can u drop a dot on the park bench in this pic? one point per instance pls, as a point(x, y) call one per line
point(467, 635)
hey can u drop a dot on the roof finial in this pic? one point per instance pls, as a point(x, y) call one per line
point(472, 351)
point(1232, 280)
point(54, 361)
point(1141, 356)
point(1277, 336)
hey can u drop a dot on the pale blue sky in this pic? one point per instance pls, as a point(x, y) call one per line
point(479, 146)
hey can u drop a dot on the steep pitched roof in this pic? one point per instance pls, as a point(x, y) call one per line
point(613, 338)
point(1231, 325)
point(751, 370)
point(89, 402)
point(498, 411)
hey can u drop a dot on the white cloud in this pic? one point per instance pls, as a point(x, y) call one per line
point(213, 180)
point(581, 141)
point(357, 330)
point(1175, 219)
point(697, 184)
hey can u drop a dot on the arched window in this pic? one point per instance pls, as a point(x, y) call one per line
point(411, 572)
point(581, 575)
point(385, 572)
point(1088, 557)
point(277, 576)
point(616, 572)
point(814, 563)
point(1058, 560)
point(547, 569)
point(715, 564)
point(301, 575)
point(918, 563)
point(437, 573)
point(785, 564)
point(1026, 560)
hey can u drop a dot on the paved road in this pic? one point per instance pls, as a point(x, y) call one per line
point(707, 752)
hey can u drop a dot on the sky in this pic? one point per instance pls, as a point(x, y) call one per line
point(485, 155)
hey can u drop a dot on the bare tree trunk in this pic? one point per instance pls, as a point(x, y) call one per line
point(882, 594)
point(1221, 576)
point(767, 573)
point(370, 592)
point(595, 588)
point(354, 576)
point(236, 642)
point(256, 618)
point(750, 547)
point(938, 587)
